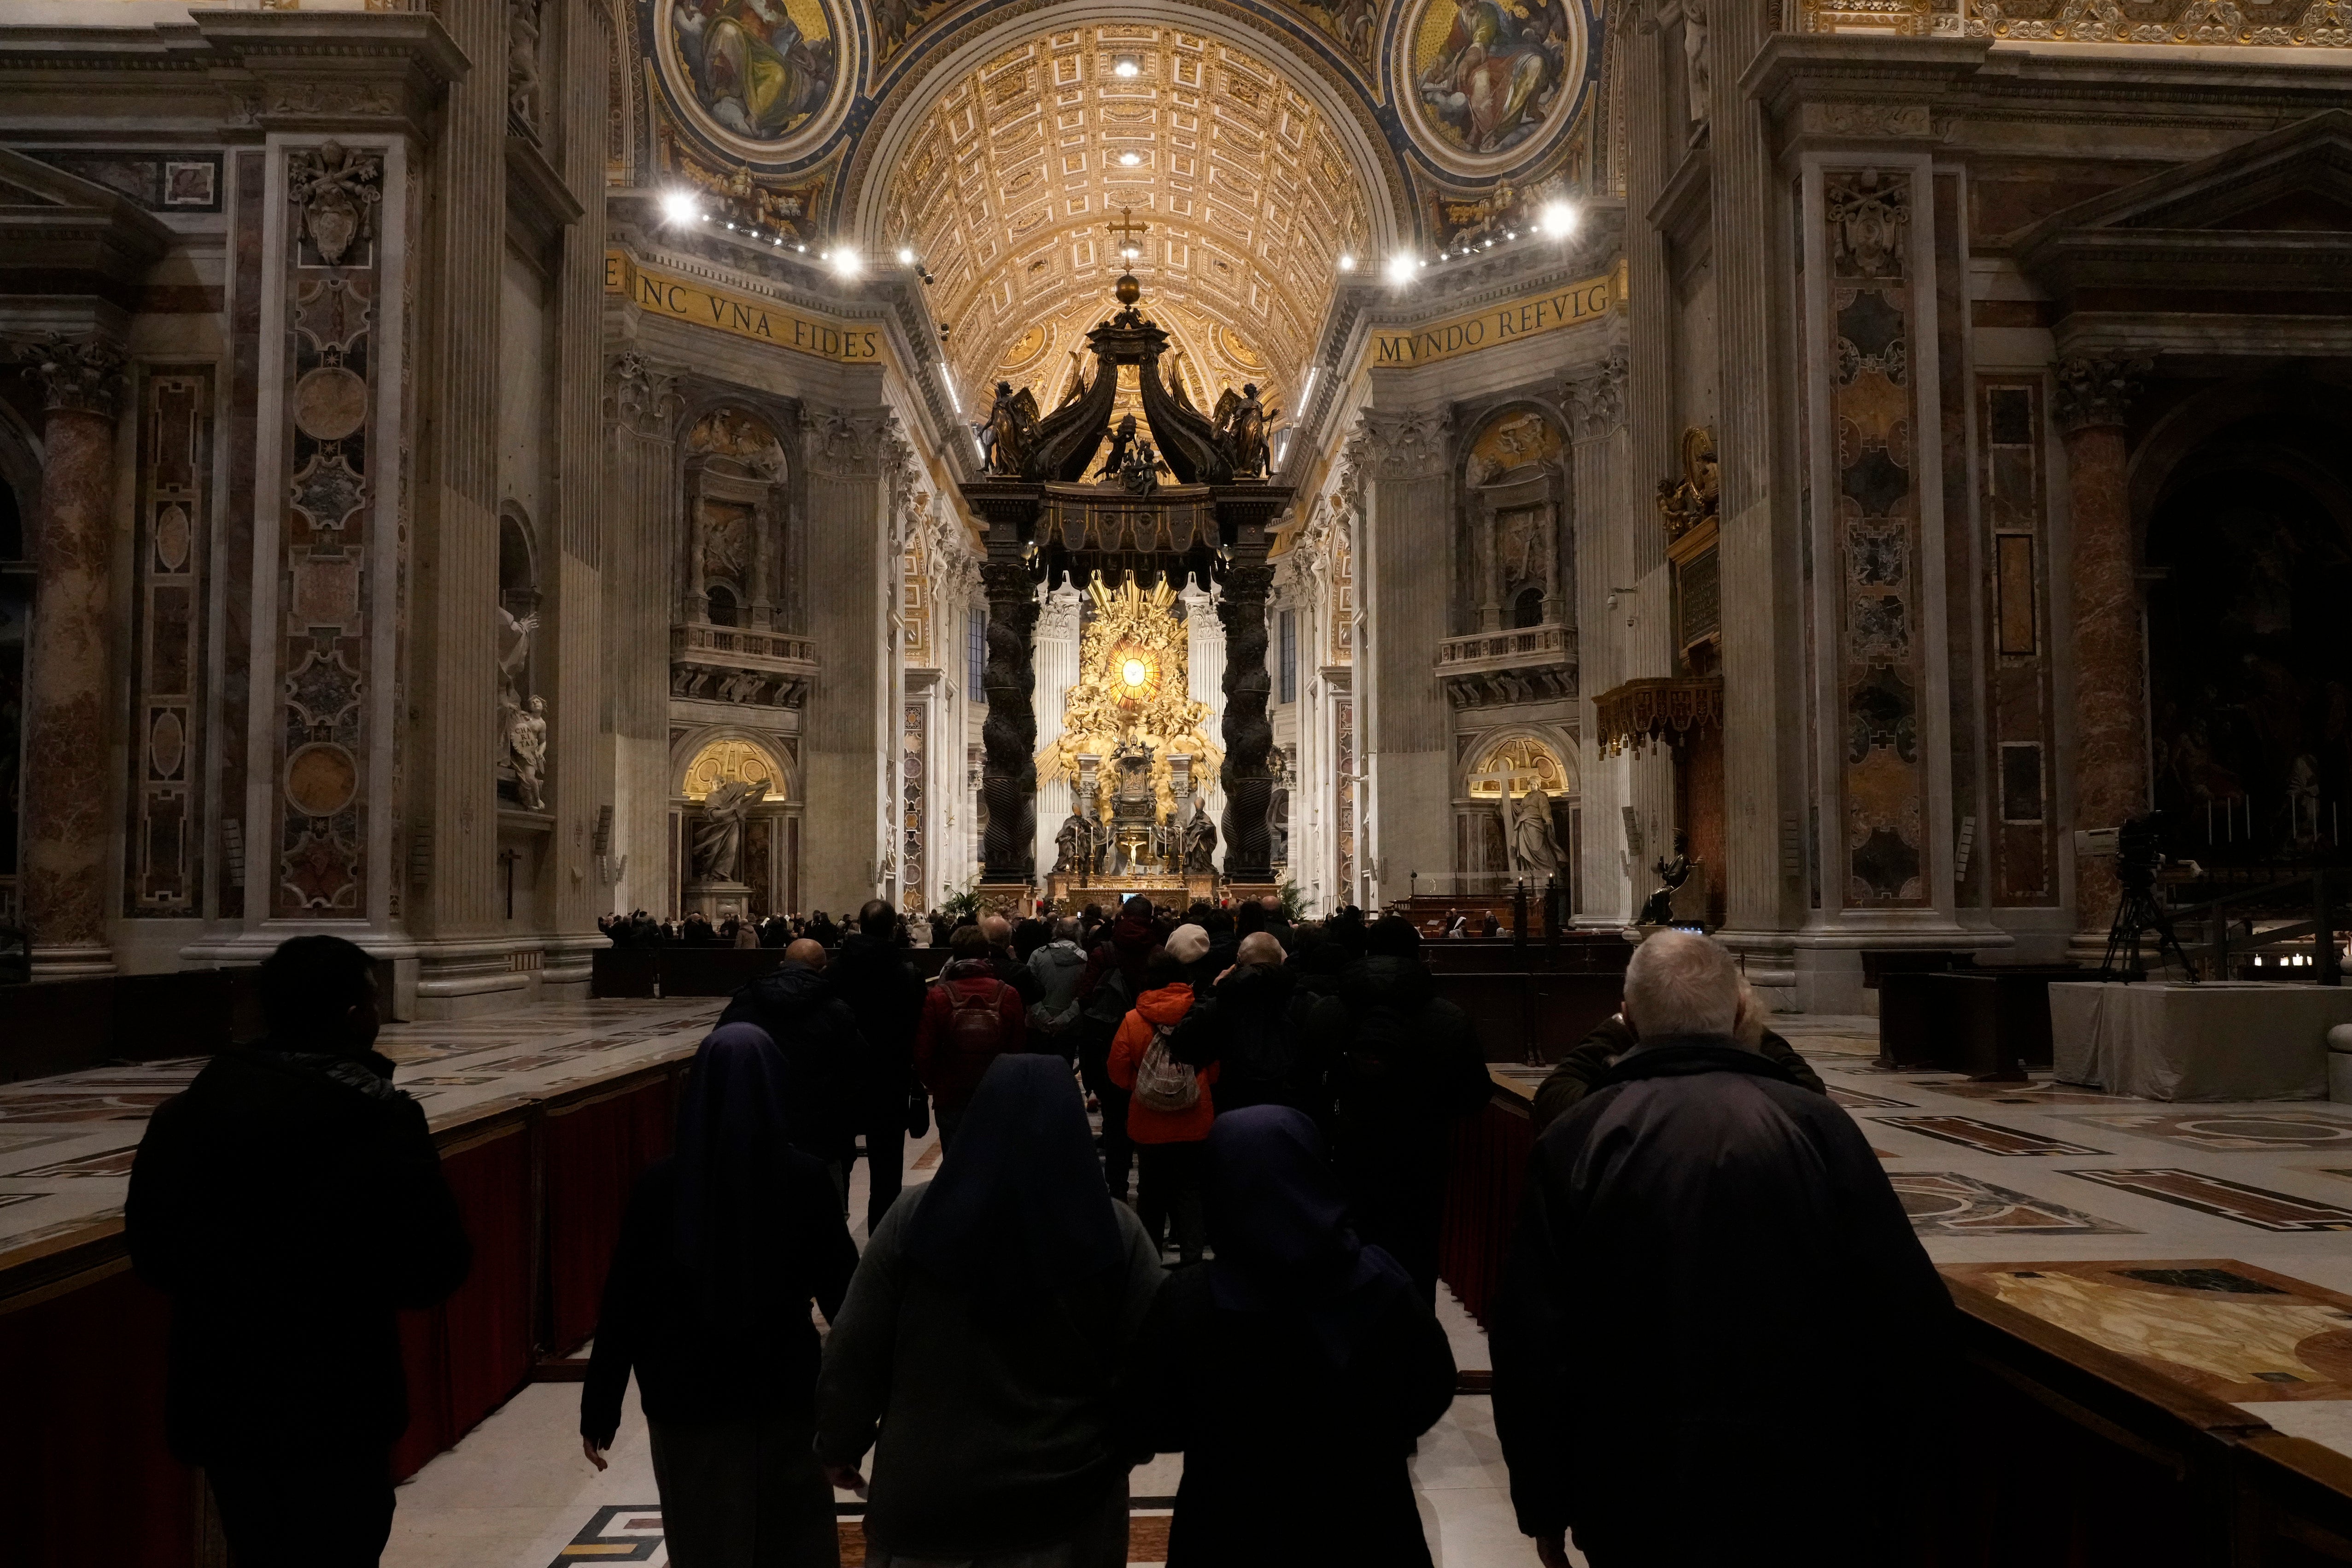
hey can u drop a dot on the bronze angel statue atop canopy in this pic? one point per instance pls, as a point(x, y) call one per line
point(1010, 427)
point(1242, 426)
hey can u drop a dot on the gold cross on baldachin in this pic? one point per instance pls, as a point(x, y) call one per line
point(1127, 228)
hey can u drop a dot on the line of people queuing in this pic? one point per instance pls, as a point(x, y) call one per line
point(1713, 1286)
point(639, 929)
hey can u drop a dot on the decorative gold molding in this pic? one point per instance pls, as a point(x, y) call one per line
point(1656, 710)
point(2205, 24)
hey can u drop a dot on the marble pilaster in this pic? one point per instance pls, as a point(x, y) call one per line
point(67, 685)
point(643, 515)
point(1404, 725)
point(2111, 783)
point(850, 727)
point(1595, 400)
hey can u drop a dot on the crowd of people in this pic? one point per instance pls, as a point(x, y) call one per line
point(1704, 1234)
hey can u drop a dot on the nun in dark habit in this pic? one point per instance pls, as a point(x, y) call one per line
point(1294, 1371)
point(722, 1248)
point(982, 1338)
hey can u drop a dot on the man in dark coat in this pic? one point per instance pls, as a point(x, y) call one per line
point(288, 1204)
point(1253, 1022)
point(817, 1031)
point(1405, 1065)
point(872, 975)
point(1611, 1038)
point(1713, 1286)
point(1009, 968)
point(1113, 980)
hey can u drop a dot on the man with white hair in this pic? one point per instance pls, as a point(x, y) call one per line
point(1714, 1284)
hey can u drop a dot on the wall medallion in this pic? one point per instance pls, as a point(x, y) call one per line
point(766, 79)
point(1488, 82)
point(322, 779)
point(330, 403)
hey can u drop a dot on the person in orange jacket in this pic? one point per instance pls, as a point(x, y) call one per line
point(1168, 1110)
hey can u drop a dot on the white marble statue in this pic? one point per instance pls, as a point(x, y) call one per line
point(526, 739)
point(1528, 829)
point(719, 840)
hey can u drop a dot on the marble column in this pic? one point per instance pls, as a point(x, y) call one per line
point(2111, 781)
point(1204, 663)
point(1404, 729)
point(851, 731)
point(1595, 399)
point(643, 506)
point(67, 742)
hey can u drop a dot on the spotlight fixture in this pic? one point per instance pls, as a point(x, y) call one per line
point(1402, 267)
point(1346, 262)
point(847, 262)
point(1127, 66)
point(906, 257)
point(1130, 160)
point(1129, 254)
point(1559, 219)
point(679, 206)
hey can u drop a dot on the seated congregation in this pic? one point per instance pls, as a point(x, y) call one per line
point(1705, 1234)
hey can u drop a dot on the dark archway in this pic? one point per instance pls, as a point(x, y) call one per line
point(2250, 654)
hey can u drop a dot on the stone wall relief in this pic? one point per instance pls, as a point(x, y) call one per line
point(1514, 498)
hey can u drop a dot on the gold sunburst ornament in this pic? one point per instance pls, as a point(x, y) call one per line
point(1132, 689)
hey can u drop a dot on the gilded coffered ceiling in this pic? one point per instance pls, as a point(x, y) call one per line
point(1006, 187)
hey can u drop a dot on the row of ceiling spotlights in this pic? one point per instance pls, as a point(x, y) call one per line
point(1557, 221)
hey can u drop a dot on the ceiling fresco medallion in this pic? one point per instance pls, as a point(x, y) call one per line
point(1488, 82)
point(767, 79)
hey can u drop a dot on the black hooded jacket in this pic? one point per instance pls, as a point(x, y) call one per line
point(886, 995)
point(1254, 1023)
point(1404, 1063)
point(1701, 1238)
point(290, 1205)
point(818, 1034)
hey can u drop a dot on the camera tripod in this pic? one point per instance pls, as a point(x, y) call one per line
point(2137, 912)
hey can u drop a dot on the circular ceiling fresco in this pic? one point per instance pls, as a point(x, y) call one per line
point(1487, 82)
point(764, 79)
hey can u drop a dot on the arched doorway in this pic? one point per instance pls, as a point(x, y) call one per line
point(2250, 672)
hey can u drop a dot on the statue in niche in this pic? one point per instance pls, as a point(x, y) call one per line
point(1242, 422)
point(1072, 843)
point(1685, 503)
point(526, 740)
point(1527, 827)
point(1658, 909)
point(1697, 81)
point(1122, 437)
point(719, 840)
point(1011, 425)
point(1200, 839)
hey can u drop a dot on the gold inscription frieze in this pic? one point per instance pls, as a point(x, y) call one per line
point(1529, 316)
point(691, 301)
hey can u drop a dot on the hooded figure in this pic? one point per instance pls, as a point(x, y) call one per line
point(722, 1248)
point(873, 978)
point(800, 1008)
point(981, 1336)
point(1294, 1372)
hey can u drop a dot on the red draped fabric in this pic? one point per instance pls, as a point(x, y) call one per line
point(466, 1357)
point(1483, 1192)
point(594, 1154)
point(85, 1478)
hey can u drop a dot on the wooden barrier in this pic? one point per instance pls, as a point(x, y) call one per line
point(680, 971)
point(64, 1025)
point(86, 1481)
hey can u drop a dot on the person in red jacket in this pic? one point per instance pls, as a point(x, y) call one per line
point(1168, 1110)
point(969, 1019)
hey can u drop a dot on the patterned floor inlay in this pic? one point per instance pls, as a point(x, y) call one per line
point(19, 1106)
point(9, 1200)
point(632, 1533)
point(2224, 1327)
point(1945, 1203)
point(2041, 1091)
point(1855, 1100)
point(1985, 1137)
point(2256, 1206)
point(104, 1162)
point(2229, 1131)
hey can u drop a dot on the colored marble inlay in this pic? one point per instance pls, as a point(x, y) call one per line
point(2256, 1206)
point(163, 862)
point(105, 1162)
point(2224, 1327)
point(2232, 1130)
point(1986, 1137)
point(1855, 1100)
point(1949, 1204)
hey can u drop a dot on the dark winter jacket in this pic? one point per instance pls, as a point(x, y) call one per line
point(948, 1064)
point(289, 1206)
point(1701, 1237)
point(885, 996)
point(1404, 1064)
point(1593, 1056)
point(1254, 1022)
point(818, 1034)
point(1016, 973)
point(1287, 1459)
point(654, 1321)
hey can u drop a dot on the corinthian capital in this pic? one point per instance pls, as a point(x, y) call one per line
point(1595, 396)
point(846, 443)
point(1408, 444)
point(77, 375)
point(641, 395)
point(2098, 390)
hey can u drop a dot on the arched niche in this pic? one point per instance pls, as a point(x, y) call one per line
point(737, 504)
point(1515, 564)
point(1535, 767)
point(769, 865)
